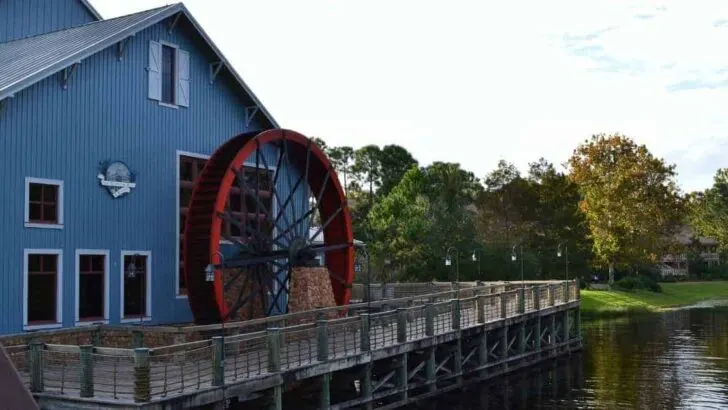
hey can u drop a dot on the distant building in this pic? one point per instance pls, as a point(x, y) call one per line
point(676, 265)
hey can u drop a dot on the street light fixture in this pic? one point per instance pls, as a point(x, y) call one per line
point(448, 262)
point(514, 258)
point(566, 256)
point(210, 273)
point(476, 258)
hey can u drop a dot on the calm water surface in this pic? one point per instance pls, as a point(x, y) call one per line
point(672, 360)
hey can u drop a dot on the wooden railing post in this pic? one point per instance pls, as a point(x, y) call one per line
point(365, 337)
point(455, 307)
point(142, 391)
point(218, 361)
point(537, 297)
point(481, 309)
point(552, 294)
point(274, 350)
point(566, 291)
point(504, 305)
point(36, 366)
point(87, 371)
point(401, 325)
point(322, 340)
point(429, 319)
point(521, 300)
point(137, 339)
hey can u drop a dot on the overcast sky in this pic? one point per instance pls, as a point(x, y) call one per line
point(478, 81)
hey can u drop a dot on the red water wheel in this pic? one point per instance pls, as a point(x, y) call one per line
point(264, 204)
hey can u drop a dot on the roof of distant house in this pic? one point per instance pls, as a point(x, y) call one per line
point(686, 234)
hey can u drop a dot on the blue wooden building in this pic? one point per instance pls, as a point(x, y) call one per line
point(146, 95)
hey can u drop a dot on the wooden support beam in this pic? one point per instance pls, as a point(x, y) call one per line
point(366, 388)
point(249, 114)
point(483, 353)
point(174, 22)
point(430, 369)
point(402, 379)
point(458, 361)
point(215, 68)
point(67, 73)
point(121, 47)
point(325, 394)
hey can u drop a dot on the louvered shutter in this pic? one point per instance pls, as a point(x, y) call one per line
point(182, 96)
point(155, 70)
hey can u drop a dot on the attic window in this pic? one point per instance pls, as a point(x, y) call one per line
point(168, 74)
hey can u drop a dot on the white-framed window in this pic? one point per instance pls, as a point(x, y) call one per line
point(169, 74)
point(189, 168)
point(43, 203)
point(42, 289)
point(136, 286)
point(92, 286)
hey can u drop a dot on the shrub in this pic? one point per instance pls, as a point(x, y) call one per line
point(638, 282)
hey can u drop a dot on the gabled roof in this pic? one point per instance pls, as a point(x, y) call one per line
point(26, 61)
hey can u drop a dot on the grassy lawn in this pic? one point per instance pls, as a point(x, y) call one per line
point(614, 303)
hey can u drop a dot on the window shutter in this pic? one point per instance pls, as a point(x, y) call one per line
point(155, 70)
point(182, 95)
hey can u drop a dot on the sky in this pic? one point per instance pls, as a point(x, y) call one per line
point(477, 81)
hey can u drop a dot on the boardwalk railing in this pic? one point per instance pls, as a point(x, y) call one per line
point(287, 343)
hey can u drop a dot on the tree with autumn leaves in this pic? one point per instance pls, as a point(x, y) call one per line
point(629, 198)
point(614, 205)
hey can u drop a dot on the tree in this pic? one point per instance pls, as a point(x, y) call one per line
point(400, 223)
point(341, 157)
point(506, 207)
point(395, 162)
point(321, 143)
point(629, 198)
point(367, 167)
point(709, 210)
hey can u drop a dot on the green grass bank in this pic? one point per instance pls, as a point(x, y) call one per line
point(616, 303)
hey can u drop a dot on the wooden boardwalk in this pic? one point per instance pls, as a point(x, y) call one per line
point(190, 368)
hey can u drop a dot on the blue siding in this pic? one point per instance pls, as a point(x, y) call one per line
point(48, 132)
point(24, 18)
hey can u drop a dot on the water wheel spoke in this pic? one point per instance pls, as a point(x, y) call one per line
point(317, 205)
point(274, 183)
point(328, 221)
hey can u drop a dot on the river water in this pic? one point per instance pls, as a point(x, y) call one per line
point(671, 360)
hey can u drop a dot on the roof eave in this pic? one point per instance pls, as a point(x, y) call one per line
point(131, 30)
point(84, 53)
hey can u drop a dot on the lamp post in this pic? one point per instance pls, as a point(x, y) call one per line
point(514, 258)
point(566, 257)
point(131, 273)
point(363, 253)
point(448, 262)
point(476, 258)
point(210, 273)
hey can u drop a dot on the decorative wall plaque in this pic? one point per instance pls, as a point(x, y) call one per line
point(116, 178)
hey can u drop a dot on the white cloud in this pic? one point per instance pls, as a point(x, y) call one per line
point(474, 81)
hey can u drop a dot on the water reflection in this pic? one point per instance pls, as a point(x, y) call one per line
point(672, 360)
